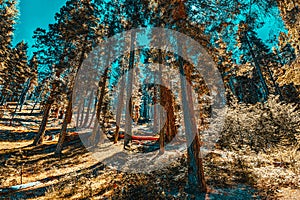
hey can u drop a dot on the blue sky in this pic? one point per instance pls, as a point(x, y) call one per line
point(40, 13)
point(34, 14)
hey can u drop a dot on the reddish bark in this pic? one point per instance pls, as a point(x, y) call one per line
point(137, 137)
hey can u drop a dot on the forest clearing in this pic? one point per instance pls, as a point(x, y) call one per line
point(146, 99)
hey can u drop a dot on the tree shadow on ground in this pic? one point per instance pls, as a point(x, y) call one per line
point(33, 154)
point(233, 178)
point(19, 135)
point(19, 120)
point(43, 158)
point(227, 182)
point(170, 183)
point(63, 180)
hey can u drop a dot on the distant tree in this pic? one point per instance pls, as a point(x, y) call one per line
point(8, 14)
point(174, 15)
point(232, 28)
point(111, 20)
point(120, 107)
point(290, 74)
point(51, 53)
point(31, 75)
point(290, 11)
point(64, 47)
point(17, 71)
point(79, 22)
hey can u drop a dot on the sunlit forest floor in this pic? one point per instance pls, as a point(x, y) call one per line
point(230, 174)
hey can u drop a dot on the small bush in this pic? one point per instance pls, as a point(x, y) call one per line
point(261, 126)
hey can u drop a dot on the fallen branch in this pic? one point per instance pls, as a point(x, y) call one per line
point(137, 137)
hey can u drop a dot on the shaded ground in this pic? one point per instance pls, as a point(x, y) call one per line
point(76, 174)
